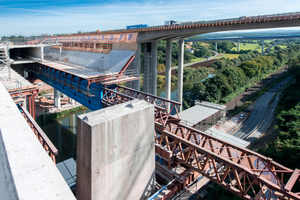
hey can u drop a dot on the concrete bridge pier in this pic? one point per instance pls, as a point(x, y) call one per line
point(57, 103)
point(71, 101)
point(146, 67)
point(216, 45)
point(137, 63)
point(180, 73)
point(238, 47)
point(154, 68)
point(263, 46)
point(111, 165)
point(168, 70)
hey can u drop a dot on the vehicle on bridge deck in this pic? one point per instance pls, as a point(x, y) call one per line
point(171, 23)
point(137, 26)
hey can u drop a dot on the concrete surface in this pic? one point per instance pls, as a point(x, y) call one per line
point(11, 84)
point(26, 171)
point(184, 33)
point(116, 152)
point(106, 63)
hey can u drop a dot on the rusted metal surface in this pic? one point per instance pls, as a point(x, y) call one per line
point(230, 166)
point(247, 174)
point(124, 94)
point(42, 137)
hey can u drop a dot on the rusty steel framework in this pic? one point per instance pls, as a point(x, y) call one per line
point(247, 174)
point(42, 137)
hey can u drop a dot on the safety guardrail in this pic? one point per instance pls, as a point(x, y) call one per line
point(42, 137)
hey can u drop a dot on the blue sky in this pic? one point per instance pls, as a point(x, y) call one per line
point(33, 17)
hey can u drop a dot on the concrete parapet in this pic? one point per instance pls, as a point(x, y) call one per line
point(116, 152)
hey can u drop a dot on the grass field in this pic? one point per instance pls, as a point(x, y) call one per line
point(230, 56)
point(247, 46)
point(197, 59)
point(206, 45)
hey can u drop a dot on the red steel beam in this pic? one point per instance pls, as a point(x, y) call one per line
point(239, 169)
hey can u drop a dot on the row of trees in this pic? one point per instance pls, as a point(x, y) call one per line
point(233, 78)
point(286, 148)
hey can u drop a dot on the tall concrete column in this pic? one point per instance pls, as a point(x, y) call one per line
point(216, 45)
point(60, 50)
point(154, 68)
point(168, 69)
point(137, 63)
point(72, 123)
point(25, 103)
point(146, 67)
point(42, 53)
point(180, 73)
point(238, 47)
point(57, 103)
point(263, 46)
point(71, 101)
point(111, 165)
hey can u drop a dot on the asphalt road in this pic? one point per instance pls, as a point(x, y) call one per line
point(260, 110)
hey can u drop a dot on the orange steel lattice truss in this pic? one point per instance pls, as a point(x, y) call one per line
point(245, 173)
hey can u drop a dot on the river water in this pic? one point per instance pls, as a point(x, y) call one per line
point(62, 132)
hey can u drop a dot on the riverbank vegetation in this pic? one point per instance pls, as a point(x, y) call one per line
point(240, 74)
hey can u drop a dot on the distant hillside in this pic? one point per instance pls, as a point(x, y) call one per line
point(254, 33)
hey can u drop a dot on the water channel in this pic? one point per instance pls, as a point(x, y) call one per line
point(62, 132)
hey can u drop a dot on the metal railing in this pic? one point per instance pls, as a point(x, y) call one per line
point(42, 137)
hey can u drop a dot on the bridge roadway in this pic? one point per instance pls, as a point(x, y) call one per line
point(244, 38)
point(259, 111)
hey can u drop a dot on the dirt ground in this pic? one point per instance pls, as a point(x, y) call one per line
point(245, 96)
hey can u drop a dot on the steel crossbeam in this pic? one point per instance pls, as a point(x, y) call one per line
point(123, 94)
point(241, 171)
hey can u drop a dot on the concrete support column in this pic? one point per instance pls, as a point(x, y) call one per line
point(168, 69)
point(137, 63)
point(72, 123)
point(42, 53)
point(263, 46)
point(60, 49)
point(146, 66)
point(25, 103)
point(216, 45)
point(71, 101)
point(180, 73)
point(111, 165)
point(238, 47)
point(154, 68)
point(57, 103)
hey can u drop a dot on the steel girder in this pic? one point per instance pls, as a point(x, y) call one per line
point(84, 91)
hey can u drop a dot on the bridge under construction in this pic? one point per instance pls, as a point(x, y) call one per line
point(117, 143)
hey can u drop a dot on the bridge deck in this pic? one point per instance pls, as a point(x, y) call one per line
point(29, 172)
point(76, 70)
